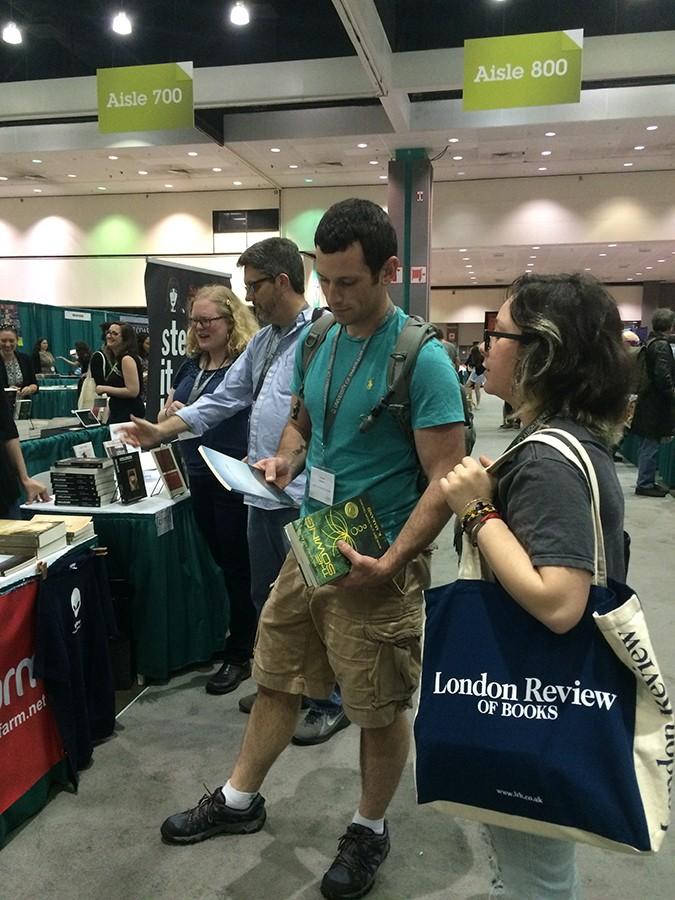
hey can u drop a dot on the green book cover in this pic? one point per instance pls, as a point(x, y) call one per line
point(315, 537)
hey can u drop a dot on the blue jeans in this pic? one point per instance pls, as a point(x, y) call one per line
point(647, 462)
point(267, 548)
point(530, 867)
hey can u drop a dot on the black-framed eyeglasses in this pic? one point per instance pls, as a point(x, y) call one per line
point(204, 321)
point(487, 334)
point(252, 286)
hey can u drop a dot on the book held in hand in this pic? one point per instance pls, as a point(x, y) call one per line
point(315, 537)
point(239, 476)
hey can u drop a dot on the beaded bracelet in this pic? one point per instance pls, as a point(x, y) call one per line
point(477, 512)
point(473, 505)
point(473, 533)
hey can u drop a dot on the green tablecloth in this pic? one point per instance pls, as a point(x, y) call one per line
point(41, 453)
point(62, 380)
point(180, 608)
point(51, 404)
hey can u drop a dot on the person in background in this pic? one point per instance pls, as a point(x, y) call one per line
point(476, 379)
point(654, 417)
point(557, 358)
point(80, 364)
point(16, 368)
point(13, 474)
point(144, 356)
point(117, 372)
point(221, 327)
point(43, 359)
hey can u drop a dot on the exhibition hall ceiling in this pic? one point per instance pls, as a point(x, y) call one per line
point(323, 93)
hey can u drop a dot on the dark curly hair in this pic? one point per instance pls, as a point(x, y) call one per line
point(574, 363)
point(349, 221)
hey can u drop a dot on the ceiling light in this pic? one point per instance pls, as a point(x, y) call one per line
point(293, 166)
point(602, 254)
point(121, 23)
point(216, 169)
point(466, 258)
point(275, 149)
point(549, 133)
point(192, 153)
point(4, 178)
point(660, 260)
point(362, 146)
point(469, 266)
point(37, 190)
point(113, 157)
point(461, 173)
point(463, 250)
point(587, 269)
point(239, 14)
point(101, 189)
point(309, 180)
point(457, 157)
point(649, 267)
point(382, 177)
point(639, 147)
point(72, 176)
point(237, 183)
point(629, 279)
point(611, 245)
point(638, 273)
point(542, 169)
point(546, 152)
point(628, 164)
point(11, 34)
point(453, 140)
point(142, 172)
point(36, 161)
point(533, 257)
point(536, 248)
point(168, 185)
point(373, 162)
point(652, 127)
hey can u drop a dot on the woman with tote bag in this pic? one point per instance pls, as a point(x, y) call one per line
point(556, 356)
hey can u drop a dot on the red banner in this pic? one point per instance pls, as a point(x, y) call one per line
point(29, 741)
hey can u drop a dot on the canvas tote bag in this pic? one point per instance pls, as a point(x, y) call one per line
point(567, 736)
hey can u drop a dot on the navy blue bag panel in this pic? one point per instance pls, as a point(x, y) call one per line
point(526, 722)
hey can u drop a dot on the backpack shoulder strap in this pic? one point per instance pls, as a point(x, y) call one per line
point(317, 334)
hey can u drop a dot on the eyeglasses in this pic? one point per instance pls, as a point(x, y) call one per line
point(203, 321)
point(252, 286)
point(521, 338)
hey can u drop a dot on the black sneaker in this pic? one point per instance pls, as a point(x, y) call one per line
point(318, 726)
point(654, 491)
point(228, 678)
point(212, 816)
point(360, 854)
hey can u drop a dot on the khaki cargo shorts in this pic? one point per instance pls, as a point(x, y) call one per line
point(367, 640)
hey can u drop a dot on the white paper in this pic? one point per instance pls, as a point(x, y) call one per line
point(236, 475)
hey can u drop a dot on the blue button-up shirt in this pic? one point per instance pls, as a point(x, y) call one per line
point(270, 410)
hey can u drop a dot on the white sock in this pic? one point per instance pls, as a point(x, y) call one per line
point(236, 799)
point(375, 825)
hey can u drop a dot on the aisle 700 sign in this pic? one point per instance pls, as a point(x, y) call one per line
point(523, 70)
point(145, 98)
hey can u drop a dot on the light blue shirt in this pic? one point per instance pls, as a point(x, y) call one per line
point(270, 410)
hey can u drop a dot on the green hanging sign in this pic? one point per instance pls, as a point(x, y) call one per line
point(145, 98)
point(523, 70)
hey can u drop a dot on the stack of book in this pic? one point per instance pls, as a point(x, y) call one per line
point(24, 542)
point(78, 528)
point(82, 482)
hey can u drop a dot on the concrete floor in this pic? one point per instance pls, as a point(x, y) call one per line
point(104, 841)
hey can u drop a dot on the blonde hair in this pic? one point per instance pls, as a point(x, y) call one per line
point(237, 314)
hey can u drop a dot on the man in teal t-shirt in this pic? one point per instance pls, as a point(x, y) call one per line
point(363, 631)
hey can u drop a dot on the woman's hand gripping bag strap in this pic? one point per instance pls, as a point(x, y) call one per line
point(567, 736)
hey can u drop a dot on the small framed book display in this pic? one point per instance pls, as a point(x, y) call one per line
point(129, 475)
point(169, 471)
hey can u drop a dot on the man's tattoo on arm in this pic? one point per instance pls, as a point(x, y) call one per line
point(295, 410)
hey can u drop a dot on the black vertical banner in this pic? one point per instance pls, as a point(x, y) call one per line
point(169, 289)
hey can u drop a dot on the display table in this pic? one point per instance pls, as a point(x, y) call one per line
point(179, 613)
point(53, 401)
point(40, 454)
point(57, 380)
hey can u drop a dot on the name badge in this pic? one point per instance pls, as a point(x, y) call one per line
point(322, 485)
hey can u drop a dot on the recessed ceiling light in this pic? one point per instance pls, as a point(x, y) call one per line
point(309, 180)
point(36, 161)
point(652, 127)
point(275, 149)
point(463, 250)
point(382, 177)
point(3, 178)
point(649, 267)
point(533, 257)
point(602, 254)
point(362, 146)
point(549, 133)
point(373, 162)
point(469, 266)
point(542, 169)
point(192, 153)
point(611, 245)
point(457, 158)
point(466, 258)
point(587, 269)
point(102, 189)
point(142, 172)
point(546, 152)
point(628, 164)
point(72, 176)
point(536, 248)
point(293, 166)
point(168, 185)
point(237, 183)
point(11, 33)
point(121, 24)
point(660, 260)
point(113, 157)
point(638, 273)
point(37, 190)
point(239, 14)
point(453, 140)
point(216, 169)
point(529, 265)
point(639, 147)
point(461, 173)
point(629, 279)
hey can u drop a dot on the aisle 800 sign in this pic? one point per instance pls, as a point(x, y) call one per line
point(145, 98)
point(523, 70)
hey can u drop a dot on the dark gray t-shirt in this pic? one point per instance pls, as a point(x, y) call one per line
point(546, 503)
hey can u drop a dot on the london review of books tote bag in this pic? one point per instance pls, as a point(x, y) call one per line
point(567, 736)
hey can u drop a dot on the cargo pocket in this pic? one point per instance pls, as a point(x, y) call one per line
point(396, 649)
